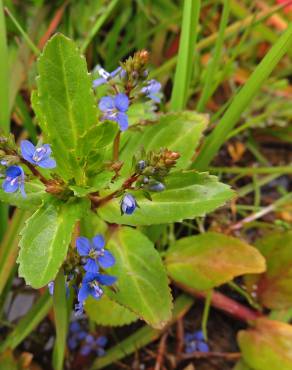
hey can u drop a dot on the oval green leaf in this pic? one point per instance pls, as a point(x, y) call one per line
point(188, 194)
point(45, 240)
point(142, 283)
point(65, 103)
point(211, 259)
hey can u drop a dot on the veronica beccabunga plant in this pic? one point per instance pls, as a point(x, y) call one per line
point(107, 160)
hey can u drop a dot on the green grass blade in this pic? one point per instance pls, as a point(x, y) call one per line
point(187, 43)
point(9, 246)
point(27, 324)
point(242, 99)
point(26, 118)
point(98, 24)
point(4, 102)
point(213, 65)
point(25, 36)
point(61, 321)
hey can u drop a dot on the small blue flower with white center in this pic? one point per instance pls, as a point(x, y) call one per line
point(38, 156)
point(94, 253)
point(128, 204)
point(152, 90)
point(91, 285)
point(115, 108)
point(105, 76)
point(93, 344)
point(14, 180)
point(195, 342)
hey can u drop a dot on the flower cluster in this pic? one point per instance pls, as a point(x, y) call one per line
point(128, 83)
point(36, 156)
point(195, 342)
point(94, 256)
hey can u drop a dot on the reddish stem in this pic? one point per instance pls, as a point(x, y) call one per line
point(35, 171)
point(225, 304)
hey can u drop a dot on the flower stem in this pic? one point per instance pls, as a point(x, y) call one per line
point(35, 171)
point(116, 147)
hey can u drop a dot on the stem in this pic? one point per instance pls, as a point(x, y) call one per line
point(224, 303)
point(35, 171)
point(245, 294)
point(206, 314)
point(116, 147)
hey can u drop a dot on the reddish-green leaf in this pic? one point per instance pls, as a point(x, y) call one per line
point(267, 346)
point(274, 287)
point(211, 259)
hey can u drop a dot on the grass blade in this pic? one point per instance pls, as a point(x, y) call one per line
point(187, 43)
point(213, 65)
point(242, 99)
point(9, 246)
point(98, 24)
point(4, 102)
point(61, 320)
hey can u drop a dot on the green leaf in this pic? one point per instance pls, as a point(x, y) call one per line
point(35, 196)
point(188, 194)
point(44, 241)
point(267, 346)
point(142, 284)
point(274, 287)
point(66, 104)
point(211, 259)
point(241, 366)
point(179, 132)
point(108, 312)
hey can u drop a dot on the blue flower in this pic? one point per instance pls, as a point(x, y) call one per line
point(14, 180)
point(76, 335)
point(128, 204)
point(152, 90)
point(195, 342)
point(105, 76)
point(95, 253)
point(94, 344)
point(39, 156)
point(91, 285)
point(115, 108)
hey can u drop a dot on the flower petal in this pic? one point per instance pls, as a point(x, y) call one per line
point(202, 347)
point(14, 171)
point(47, 163)
point(106, 279)
point(84, 292)
point(98, 242)
point(91, 266)
point(27, 150)
point(98, 82)
point(122, 102)
point(122, 120)
point(83, 246)
point(9, 187)
point(106, 103)
point(107, 260)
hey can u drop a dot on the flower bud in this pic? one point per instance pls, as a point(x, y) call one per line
point(156, 187)
point(128, 204)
